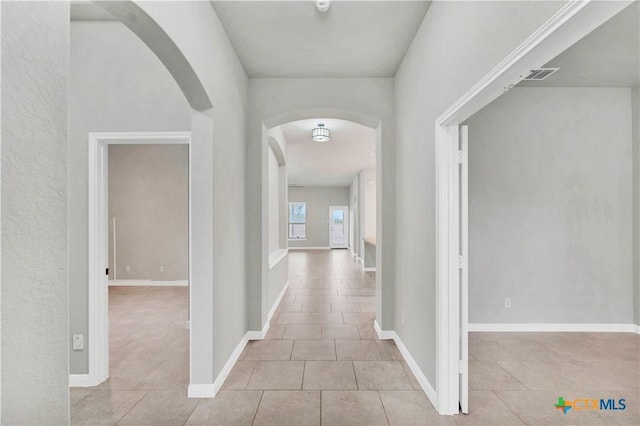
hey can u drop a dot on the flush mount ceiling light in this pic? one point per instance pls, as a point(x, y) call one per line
point(320, 134)
point(323, 5)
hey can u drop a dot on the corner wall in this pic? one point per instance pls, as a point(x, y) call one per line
point(550, 202)
point(117, 84)
point(35, 294)
point(457, 44)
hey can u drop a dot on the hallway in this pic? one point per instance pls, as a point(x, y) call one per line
point(321, 363)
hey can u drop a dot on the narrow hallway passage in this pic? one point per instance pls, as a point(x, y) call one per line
point(321, 362)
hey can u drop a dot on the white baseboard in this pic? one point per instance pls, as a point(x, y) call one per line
point(309, 248)
point(201, 391)
point(276, 257)
point(81, 381)
point(413, 365)
point(276, 303)
point(550, 327)
point(369, 269)
point(636, 328)
point(150, 283)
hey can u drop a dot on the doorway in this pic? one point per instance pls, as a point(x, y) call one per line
point(99, 239)
point(338, 226)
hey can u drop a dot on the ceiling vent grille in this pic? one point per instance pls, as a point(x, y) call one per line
point(540, 74)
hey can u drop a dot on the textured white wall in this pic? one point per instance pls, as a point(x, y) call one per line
point(369, 179)
point(35, 343)
point(149, 198)
point(457, 44)
point(550, 207)
point(117, 84)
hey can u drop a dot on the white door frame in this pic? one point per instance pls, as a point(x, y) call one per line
point(346, 225)
point(573, 21)
point(98, 302)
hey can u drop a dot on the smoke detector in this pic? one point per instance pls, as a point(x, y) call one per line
point(323, 5)
point(540, 74)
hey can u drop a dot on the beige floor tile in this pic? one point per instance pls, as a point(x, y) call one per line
point(363, 350)
point(316, 307)
point(346, 307)
point(489, 375)
point(302, 331)
point(170, 375)
point(77, 394)
point(276, 331)
point(361, 318)
point(228, 408)
point(539, 375)
point(352, 408)
point(389, 350)
point(340, 332)
point(282, 408)
point(411, 408)
point(367, 331)
point(268, 350)
point(311, 318)
point(485, 408)
point(411, 376)
point(239, 375)
point(161, 408)
point(329, 375)
point(277, 375)
point(289, 307)
point(315, 350)
point(104, 406)
point(381, 375)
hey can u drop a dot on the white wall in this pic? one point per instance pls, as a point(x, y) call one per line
point(318, 200)
point(117, 84)
point(35, 295)
point(457, 44)
point(635, 111)
point(354, 216)
point(149, 199)
point(274, 202)
point(550, 203)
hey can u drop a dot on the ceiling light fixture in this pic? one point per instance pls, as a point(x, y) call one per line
point(323, 5)
point(320, 134)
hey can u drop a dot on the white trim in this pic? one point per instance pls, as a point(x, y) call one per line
point(201, 390)
point(276, 303)
point(259, 335)
point(150, 283)
point(413, 365)
point(276, 257)
point(636, 328)
point(370, 269)
point(98, 327)
point(573, 21)
point(552, 327)
point(308, 248)
point(80, 381)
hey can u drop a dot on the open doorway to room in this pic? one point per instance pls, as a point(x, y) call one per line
point(552, 236)
point(148, 186)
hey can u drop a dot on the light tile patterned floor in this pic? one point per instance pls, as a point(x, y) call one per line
point(322, 364)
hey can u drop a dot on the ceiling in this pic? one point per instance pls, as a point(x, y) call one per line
point(607, 57)
point(334, 163)
point(293, 39)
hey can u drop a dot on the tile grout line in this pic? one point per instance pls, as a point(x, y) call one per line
point(132, 407)
point(257, 408)
point(384, 409)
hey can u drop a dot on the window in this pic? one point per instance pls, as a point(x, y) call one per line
point(297, 221)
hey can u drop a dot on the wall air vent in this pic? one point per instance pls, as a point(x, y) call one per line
point(540, 74)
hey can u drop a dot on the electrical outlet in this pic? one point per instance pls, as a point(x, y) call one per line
point(78, 342)
point(127, 268)
point(403, 320)
point(161, 268)
point(507, 302)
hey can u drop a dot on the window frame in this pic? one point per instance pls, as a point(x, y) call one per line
point(289, 223)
